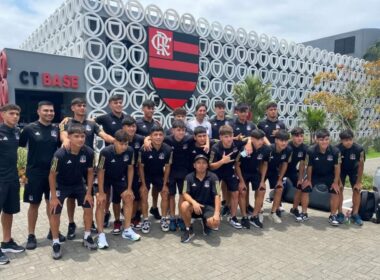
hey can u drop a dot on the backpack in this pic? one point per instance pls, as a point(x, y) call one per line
point(376, 220)
point(368, 204)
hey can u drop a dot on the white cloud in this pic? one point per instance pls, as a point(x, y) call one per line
point(290, 19)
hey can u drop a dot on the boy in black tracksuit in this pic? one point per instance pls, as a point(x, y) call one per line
point(254, 168)
point(69, 170)
point(324, 168)
point(279, 159)
point(353, 157)
point(296, 174)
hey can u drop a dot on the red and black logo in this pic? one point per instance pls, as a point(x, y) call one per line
point(173, 65)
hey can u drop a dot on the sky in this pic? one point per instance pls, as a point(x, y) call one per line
point(293, 20)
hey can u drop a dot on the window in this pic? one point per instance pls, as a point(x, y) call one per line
point(345, 45)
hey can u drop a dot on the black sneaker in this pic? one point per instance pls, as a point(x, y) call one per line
point(71, 231)
point(250, 209)
point(3, 258)
point(279, 212)
point(107, 218)
point(155, 213)
point(31, 243)
point(93, 227)
point(255, 221)
point(56, 252)
point(296, 214)
point(187, 236)
point(62, 239)
point(205, 229)
point(245, 223)
point(11, 247)
point(226, 210)
point(89, 243)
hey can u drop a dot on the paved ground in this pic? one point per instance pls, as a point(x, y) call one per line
point(371, 165)
point(313, 250)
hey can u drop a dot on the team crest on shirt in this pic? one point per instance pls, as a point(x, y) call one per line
point(352, 157)
point(126, 158)
point(248, 127)
point(88, 127)
point(194, 152)
point(235, 150)
point(53, 133)
point(277, 126)
point(161, 156)
point(137, 145)
point(113, 122)
point(207, 184)
point(329, 157)
point(17, 135)
point(260, 157)
point(82, 159)
point(300, 154)
point(185, 146)
point(283, 156)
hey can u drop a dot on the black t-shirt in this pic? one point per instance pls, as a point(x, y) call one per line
point(204, 191)
point(276, 159)
point(268, 127)
point(136, 143)
point(323, 163)
point(42, 142)
point(217, 152)
point(110, 123)
point(299, 154)
point(351, 157)
point(243, 128)
point(154, 161)
point(194, 150)
point(250, 164)
point(72, 169)
point(216, 124)
point(9, 141)
point(115, 165)
point(181, 155)
point(144, 126)
point(91, 128)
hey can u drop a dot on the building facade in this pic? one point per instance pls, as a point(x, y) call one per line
point(119, 43)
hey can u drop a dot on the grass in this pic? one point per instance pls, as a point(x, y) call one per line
point(372, 153)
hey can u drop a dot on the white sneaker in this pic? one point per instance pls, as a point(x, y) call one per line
point(261, 217)
point(102, 241)
point(276, 219)
point(145, 227)
point(130, 235)
point(164, 225)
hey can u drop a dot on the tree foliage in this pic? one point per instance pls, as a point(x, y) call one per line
point(313, 119)
point(254, 93)
point(373, 53)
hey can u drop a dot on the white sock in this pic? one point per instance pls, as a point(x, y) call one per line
point(102, 234)
point(87, 234)
point(56, 241)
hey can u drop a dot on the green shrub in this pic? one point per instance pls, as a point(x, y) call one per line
point(367, 182)
point(366, 142)
point(376, 144)
point(22, 157)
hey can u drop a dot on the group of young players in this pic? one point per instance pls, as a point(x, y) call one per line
point(210, 163)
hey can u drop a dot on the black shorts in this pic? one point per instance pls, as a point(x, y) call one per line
point(327, 181)
point(207, 212)
point(175, 183)
point(352, 176)
point(156, 181)
point(10, 197)
point(293, 177)
point(76, 192)
point(231, 182)
point(36, 187)
point(136, 187)
point(254, 180)
point(272, 179)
